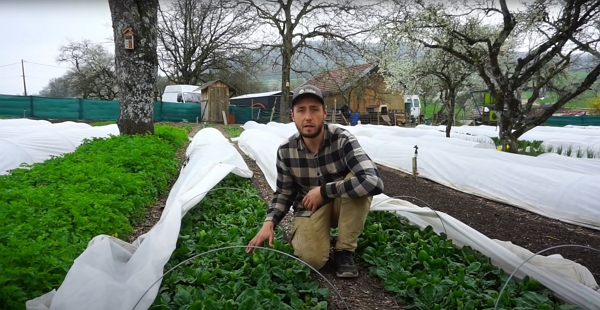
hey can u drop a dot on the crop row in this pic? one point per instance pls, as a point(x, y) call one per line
point(50, 211)
point(232, 279)
point(428, 271)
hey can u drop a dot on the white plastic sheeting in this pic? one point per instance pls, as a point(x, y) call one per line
point(569, 280)
point(582, 139)
point(22, 122)
point(29, 141)
point(113, 274)
point(565, 189)
point(26, 128)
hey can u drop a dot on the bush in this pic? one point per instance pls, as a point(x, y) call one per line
point(51, 211)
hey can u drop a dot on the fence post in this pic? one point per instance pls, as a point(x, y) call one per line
point(273, 110)
point(31, 111)
point(80, 108)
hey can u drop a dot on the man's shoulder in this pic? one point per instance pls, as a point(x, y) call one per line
point(289, 142)
point(339, 133)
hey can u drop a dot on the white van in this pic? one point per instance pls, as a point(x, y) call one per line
point(412, 105)
point(181, 93)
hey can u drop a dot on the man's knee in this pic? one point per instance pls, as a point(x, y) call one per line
point(315, 258)
point(311, 244)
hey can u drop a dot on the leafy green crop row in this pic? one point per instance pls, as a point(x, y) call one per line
point(233, 131)
point(50, 212)
point(427, 271)
point(232, 279)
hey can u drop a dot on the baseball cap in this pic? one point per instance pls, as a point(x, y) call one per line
point(306, 91)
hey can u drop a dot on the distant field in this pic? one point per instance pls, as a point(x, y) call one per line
point(551, 97)
point(293, 82)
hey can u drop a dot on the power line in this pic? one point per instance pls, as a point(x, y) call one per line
point(16, 63)
point(39, 64)
point(10, 77)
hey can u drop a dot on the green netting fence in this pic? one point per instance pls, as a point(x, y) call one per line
point(584, 120)
point(85, 109)
point(244, 114)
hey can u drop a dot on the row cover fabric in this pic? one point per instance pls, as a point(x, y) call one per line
point(30, 142)
point(14, 131)
point(21, 122)
point(289, 129)
point(113, 274)
point(564, 189)
point(580, 140)
point(569, 280)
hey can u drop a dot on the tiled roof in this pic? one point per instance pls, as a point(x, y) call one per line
point(333, 81)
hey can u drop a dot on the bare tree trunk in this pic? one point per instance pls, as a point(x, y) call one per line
point(450, 103)
point(136, 69)
point(284, 106)
point(506, 120)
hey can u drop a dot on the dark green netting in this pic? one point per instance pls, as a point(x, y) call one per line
point(85, 109)
point(244, 114)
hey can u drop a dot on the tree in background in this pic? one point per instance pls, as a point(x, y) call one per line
point(59, 87)
point(297, 23)
point(136, 69)
point(91, 74)
point(412, 65)
point(470, 36)
point(429, 91)
point(198, 37)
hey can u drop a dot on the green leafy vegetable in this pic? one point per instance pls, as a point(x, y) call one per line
point(428, 272)
point(232, 279)
point(51, 211)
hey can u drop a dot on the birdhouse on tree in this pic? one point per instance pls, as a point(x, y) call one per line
point(128, 37)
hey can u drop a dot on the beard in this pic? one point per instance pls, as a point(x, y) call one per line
point(318, 131)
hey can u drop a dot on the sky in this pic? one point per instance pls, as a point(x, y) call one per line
point(34, 30)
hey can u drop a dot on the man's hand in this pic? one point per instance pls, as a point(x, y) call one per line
point(266, 232)
point(313, 199)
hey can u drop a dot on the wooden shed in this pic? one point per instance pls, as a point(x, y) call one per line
point(215, 100)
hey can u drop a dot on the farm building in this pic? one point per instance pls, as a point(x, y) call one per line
point(215, 100)
point(360, 88)
point(265, 100)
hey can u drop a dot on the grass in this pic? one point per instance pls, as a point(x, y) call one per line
point(551, 97)
point(102, 123)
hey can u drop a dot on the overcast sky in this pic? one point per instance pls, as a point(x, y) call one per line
point(34, 30)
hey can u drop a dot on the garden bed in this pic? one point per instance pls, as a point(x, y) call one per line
point(232, 279)
point(51, 210)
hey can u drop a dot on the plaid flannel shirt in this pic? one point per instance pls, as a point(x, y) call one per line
point(299, 171)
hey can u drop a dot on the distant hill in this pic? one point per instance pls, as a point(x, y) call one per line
point(309, 62)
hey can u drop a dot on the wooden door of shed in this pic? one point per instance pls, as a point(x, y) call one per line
point(218, 101)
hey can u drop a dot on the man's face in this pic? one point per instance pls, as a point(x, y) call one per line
point(309, 115)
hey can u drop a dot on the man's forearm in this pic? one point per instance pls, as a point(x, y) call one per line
point(355, 187)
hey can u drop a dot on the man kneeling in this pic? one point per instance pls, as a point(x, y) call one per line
point(330, 181)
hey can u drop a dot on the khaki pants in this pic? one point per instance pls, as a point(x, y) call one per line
point(311, 235)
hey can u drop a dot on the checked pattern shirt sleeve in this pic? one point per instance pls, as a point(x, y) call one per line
point(285, 193)
point(366, 180)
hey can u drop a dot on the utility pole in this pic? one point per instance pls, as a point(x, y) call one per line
point(23, 71)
